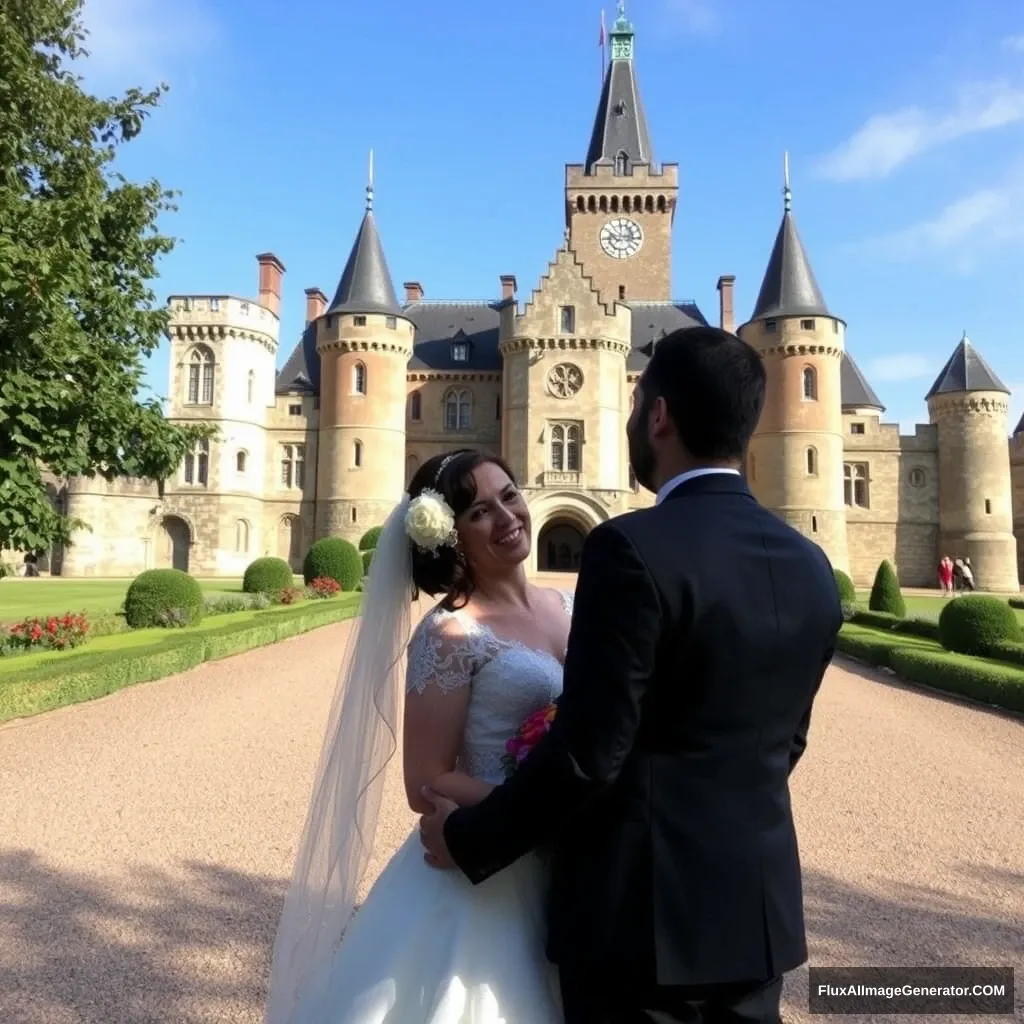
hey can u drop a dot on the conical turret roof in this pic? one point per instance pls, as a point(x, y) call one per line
point(854, 389)
point(789, 287)
point(966, 371)
point(365, 285)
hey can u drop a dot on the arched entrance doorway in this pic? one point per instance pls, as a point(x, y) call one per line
point(559, 546)
point(289, 541)
point(174, 540)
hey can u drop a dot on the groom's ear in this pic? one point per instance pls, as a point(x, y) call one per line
point(659, 422)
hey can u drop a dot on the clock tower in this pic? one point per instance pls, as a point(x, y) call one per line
point(620, 204)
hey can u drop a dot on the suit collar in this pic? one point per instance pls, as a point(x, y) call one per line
point(691, 474)
point(719, 482)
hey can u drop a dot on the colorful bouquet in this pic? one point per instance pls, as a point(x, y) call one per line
point(526, 737)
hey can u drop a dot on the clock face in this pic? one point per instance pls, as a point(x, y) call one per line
point(621, 238)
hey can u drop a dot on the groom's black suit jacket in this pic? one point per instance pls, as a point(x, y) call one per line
point(701, 631)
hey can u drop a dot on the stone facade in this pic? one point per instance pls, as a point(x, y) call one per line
point(324, 444)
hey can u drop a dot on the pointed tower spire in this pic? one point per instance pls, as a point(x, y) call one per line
point(789, 287)
point(620, 136)
point(365, 285)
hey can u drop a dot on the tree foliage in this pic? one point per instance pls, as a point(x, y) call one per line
point(79, 245)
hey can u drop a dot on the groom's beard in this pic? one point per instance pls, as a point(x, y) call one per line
point(641, 453)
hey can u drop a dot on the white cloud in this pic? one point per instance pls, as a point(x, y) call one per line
point(901, 366)
point(692, 17)
point(140, 42)
point(887, 141)
point(963, 231)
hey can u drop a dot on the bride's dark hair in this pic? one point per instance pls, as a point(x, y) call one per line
point(451, 475)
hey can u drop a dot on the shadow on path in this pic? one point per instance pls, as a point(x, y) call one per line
point(193, 947)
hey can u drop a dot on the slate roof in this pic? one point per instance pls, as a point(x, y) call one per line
point(365, 285)
point(439, 324)
point(620, 125)
point(966, 371)
point(854, 390)
point(789, 287)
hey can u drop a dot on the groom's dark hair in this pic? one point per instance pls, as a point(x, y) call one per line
point(713, 385)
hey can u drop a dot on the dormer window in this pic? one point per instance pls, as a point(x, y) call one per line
point(770, 326)
point(359, 321)
point(460, 351)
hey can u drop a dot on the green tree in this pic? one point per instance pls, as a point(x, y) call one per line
point(886, 595)
point(78, 247)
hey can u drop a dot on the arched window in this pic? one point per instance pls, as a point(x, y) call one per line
point(359, 379)
point(661, 204)
point(649, 204)
point(615, 204)
point(572, 449)
point(241, 458)
point(581, 204)
point(621, 163)
point(357, 454)
point(810, 384)
point(250, 387)
point(242, 537)
point(603, 204)
point(591, 204)
point(558, 448)
point(457, 407)
point(811, 456)
point(416, 406)
point(197, 464)
point(200, 376)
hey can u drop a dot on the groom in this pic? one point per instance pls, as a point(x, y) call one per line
point(701, 632)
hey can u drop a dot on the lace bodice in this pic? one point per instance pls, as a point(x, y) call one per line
point(509, 681)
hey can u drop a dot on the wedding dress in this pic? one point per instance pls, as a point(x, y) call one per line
point(427, 947)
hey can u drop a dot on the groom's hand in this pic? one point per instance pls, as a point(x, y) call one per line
point(432, 830)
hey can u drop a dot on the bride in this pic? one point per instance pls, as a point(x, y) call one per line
point(427, 947)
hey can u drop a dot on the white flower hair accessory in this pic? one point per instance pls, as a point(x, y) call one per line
point(430, 522)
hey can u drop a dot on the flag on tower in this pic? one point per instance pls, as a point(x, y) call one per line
point(601, 40)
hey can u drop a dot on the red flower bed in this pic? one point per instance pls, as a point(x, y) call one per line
point(57, 633)
point(325, 586)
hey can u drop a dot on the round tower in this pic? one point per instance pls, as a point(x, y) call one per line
point(364, 342)
point(795, 462)
point(969, 405)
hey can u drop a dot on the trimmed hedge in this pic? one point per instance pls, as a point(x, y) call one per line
point(63, 680)
point(157, 594)
point(334, 557)
point(1015, 602)
point(912, 627)
point(985, 681)
point(974, 623)
point(847, 593)
point(267, 576)
point(886, 595)
point(368, 541)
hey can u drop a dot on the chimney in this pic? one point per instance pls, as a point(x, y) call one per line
point(316, 303)
point(726, 319)
point(271, 272)
point(508, 287)
point(413, 291)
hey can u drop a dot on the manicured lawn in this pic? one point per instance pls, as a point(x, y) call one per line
point(20, 599)
point(155, 638)
point(921, 606)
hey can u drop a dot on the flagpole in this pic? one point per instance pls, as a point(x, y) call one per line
point(603, 61)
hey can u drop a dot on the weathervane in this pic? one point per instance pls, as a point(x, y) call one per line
point(369, 185)
point(787, 195)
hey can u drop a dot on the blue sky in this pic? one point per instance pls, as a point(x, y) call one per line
point(903, 122)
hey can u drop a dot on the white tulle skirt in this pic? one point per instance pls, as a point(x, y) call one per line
point(427, 947)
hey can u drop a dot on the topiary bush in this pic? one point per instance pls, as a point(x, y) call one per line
point(164, 596)
point(267, 576)
point(974, 623)
point(886, 595)
point(368, 541)
point(367, 559)
point(847, 594)
point(334, 557)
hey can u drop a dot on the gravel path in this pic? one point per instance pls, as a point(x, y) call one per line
point(146, 838)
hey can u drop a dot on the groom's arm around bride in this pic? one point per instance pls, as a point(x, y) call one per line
point(701, 631)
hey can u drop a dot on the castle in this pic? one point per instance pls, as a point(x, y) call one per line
point(376, 385)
